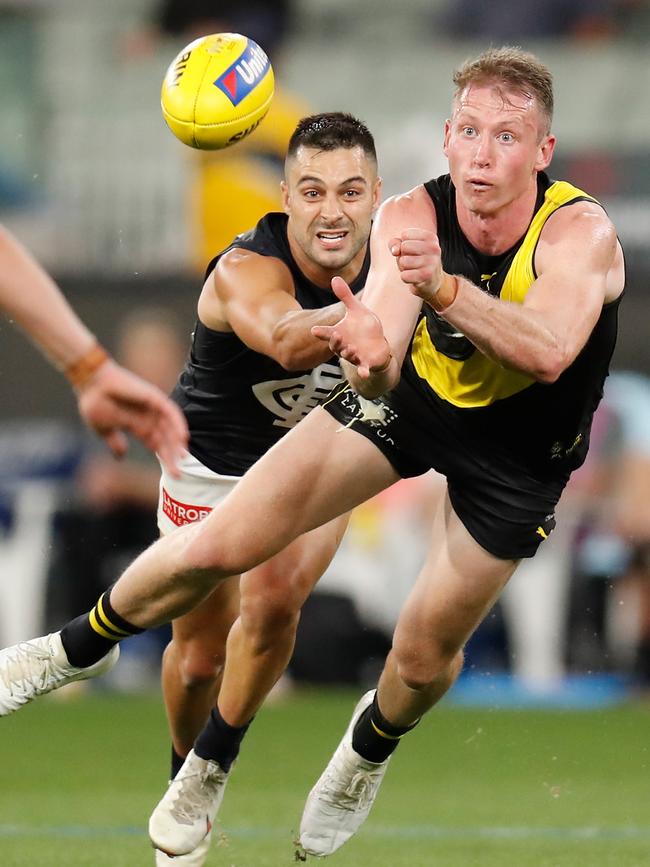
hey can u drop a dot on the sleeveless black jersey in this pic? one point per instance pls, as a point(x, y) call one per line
point(238, 402)
point(543, 426)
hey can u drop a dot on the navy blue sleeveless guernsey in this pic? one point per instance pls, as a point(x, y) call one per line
point(238, 402)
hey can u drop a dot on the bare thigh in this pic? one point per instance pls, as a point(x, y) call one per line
point(317, 472)
point(458, 584)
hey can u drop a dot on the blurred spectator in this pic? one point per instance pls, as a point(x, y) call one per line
point(265, 21)
point(502, 21)
point(382, 551)
point(610, 613)
point(346, 625)
point(585, 597)
point(232, 189)
point(38, 460)
point(113, 513)
point(149, 344)
point(535, 603)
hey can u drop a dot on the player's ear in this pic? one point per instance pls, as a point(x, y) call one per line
point(284, 189)
point(545, 152)
point(376, 194)
point(445, 146)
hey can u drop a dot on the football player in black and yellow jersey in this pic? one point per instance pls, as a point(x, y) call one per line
point(484, 336)
point(480, 349)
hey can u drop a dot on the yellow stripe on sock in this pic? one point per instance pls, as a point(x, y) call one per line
point(97, 626)
point(107, 622)
point(383, 734)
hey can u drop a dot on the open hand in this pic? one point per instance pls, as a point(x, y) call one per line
point(115, 402)
point(358, 337)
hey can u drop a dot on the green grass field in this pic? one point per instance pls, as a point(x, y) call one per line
point(469, 787)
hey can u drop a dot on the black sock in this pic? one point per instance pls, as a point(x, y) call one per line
point(177, 763)
point(89, 637)
point(374, 738)
point(219, 741)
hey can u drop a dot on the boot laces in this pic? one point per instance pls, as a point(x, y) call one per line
point(197, 791)
point(28, 670)
point(358, 793)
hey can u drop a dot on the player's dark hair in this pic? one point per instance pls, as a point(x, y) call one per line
point(331, 130)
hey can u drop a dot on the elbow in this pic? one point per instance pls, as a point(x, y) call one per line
point(551, 366)
point(290, 360)
point(546, 377)
point(286, 352)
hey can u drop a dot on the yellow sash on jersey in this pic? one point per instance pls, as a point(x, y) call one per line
point(479, 381)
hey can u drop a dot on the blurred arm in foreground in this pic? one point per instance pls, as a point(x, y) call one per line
point(111, 400)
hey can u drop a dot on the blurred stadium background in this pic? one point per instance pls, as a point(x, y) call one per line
point(125, 218)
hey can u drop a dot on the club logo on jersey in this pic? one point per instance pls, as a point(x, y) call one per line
point(242, 75)
point(546, 527)
point(291, 399)
point(560, 451)
point(485, 280)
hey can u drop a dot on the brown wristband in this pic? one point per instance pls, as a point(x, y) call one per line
point(80, 371)
point(446, 294)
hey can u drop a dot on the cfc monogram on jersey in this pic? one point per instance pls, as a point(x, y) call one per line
point(291, 399)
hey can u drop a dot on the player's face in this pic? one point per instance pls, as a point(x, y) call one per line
point(330, 197)
point(495, 142)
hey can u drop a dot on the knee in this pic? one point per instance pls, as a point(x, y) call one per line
point(268, 613)
point(422, 664)
point(208, 557)
point(197, 665)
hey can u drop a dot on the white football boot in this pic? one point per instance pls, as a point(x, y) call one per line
point(183, 818)
point(197, 858)
point(39, 666)
point(340, 801)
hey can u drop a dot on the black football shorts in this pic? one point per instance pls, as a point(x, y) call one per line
point(506, 508)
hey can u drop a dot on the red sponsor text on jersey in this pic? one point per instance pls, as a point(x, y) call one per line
point(182, 513)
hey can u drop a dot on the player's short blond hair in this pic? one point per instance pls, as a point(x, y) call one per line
point(511, 68)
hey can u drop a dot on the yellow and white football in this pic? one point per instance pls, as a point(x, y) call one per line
point(217, 91)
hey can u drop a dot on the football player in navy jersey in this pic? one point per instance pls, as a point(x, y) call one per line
point(254, 370)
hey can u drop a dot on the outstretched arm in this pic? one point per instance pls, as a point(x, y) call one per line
point(111, 400)
point(254, 296)
point(30, 298)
